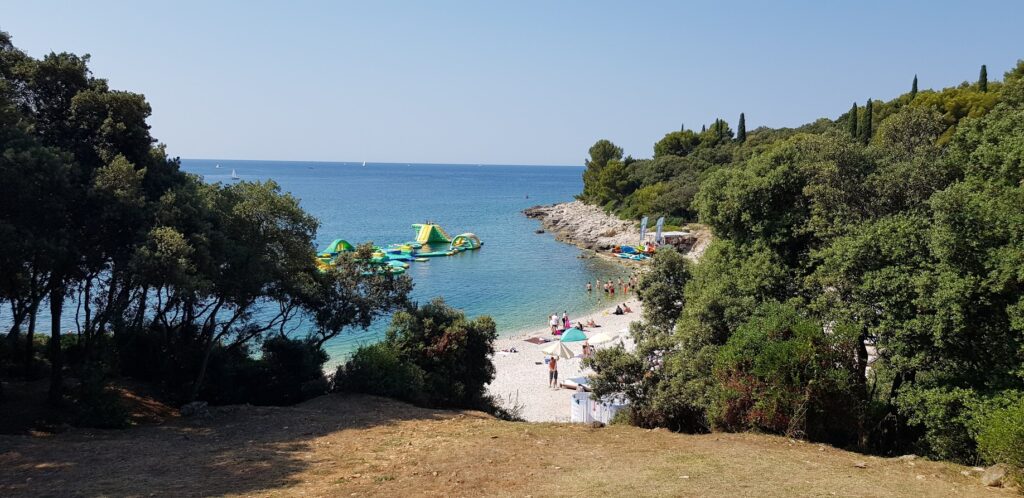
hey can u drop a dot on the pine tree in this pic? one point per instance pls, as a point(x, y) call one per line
point(865, 128)
point(983, 79)
point(913, 88)
point(853, 121)
point(741, 129)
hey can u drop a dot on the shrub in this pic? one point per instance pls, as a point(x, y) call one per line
point(378, 369)
point(1001, 435)
point(783, 373)
point(432, 355)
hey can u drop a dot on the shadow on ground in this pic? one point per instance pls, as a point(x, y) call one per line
point(237, 449)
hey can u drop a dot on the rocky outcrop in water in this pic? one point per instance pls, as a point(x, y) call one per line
point(591, 228)
point(585, 226)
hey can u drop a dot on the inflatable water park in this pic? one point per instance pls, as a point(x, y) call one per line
point(431, 242)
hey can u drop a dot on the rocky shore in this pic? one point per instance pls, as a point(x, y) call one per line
point(585, 226)
point(588, 227)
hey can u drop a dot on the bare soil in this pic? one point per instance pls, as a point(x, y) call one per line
point(357, 445)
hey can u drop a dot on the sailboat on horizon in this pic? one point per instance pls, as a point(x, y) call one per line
point(234, 175)
point(364, 163)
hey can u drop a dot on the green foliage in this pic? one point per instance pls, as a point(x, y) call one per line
point(741, 129)
point(661, 288)
point(897, 229)
point(1001, 435)
point(443, 354)
point(851, 120)
point(178, 281)
point(380, 369)
point(781, 372)
point(983, 79)
point(865, 127)
point(677, 143)
point(601, 153)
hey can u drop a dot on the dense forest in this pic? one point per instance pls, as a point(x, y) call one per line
point(866, 282)
point(202, 291)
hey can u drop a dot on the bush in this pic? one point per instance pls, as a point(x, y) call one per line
point(1001, 435)
point(378, 369)
point(782, 373)
point(288, 371)
point(432, 355)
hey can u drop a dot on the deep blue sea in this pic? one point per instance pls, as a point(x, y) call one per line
point(518, 277)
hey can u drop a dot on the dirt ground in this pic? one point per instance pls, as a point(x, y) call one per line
point(355, 445)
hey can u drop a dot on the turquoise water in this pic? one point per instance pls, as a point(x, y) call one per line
point(518, 277)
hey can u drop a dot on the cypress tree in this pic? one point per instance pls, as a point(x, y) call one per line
point(703, 128)
point(865, 128)
point(983, 79)
point(741, 129)
point(913, 88)
point(682, 127)
point(853, 121)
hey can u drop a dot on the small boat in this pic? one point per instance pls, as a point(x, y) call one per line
point(234, 175)
point(364, 163)
point(217, 166)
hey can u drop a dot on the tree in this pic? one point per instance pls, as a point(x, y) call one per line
point(983, 79)
point(913, 88)
point(741, 129)
point(661, 288)
point(865, 128)
point(677, 143)
point(601, 153)
point(853, 121)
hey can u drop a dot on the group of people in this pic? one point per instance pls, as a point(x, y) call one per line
point(559, 324)
point(609, 286)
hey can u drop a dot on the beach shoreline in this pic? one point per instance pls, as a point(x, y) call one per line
point(521, 378)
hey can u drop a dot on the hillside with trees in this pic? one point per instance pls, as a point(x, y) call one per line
point(865, 286)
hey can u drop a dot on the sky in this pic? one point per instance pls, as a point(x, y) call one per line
point(523, 82)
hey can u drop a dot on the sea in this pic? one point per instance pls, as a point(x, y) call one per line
point(518, 277)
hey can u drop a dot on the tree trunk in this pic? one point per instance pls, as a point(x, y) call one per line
point(56, 365)
point(202, 372)
point(30, 340)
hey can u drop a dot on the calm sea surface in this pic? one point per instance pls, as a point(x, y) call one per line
point(518, 277)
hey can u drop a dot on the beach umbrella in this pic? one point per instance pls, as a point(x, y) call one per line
point(558, 350)
point(603, 337)
point(573, 335)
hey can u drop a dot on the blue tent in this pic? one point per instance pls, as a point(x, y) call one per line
point(573, 335)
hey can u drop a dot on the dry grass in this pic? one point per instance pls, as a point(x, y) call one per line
point(342, 446)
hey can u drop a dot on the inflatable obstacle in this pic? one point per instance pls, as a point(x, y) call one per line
point(431, 242)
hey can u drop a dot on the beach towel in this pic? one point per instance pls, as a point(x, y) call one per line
point(537, 340)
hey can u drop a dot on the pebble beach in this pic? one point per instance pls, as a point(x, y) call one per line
point(522, 378)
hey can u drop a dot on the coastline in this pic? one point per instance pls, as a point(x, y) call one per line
point(591, 229)
point(521, 377)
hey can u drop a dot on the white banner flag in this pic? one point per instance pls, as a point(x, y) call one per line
point(643, 229)
point(657, 230)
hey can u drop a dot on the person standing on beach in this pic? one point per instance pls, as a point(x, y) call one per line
point(589, 288)
point(553, 322)
point(553, 372)
point(565, 320)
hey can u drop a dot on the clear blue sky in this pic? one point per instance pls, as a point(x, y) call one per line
point(518, 82)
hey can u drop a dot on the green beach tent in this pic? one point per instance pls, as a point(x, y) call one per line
point(573, 335)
